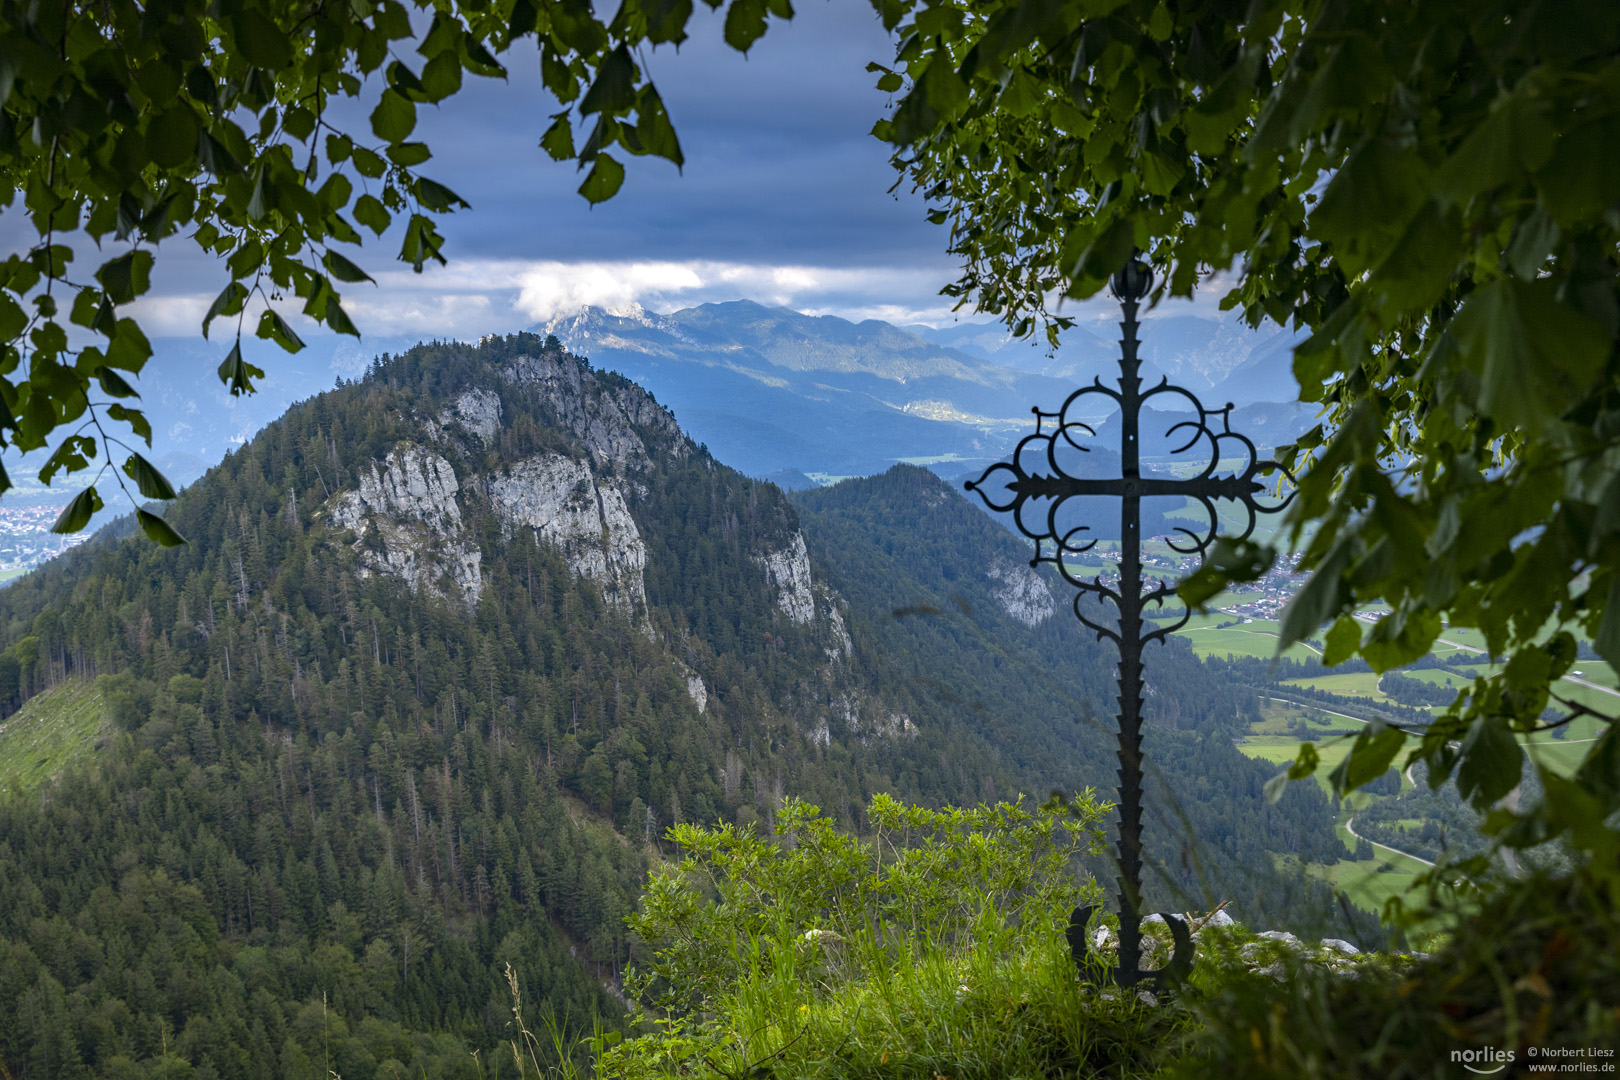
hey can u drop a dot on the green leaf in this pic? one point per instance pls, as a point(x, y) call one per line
point(216, 157)
point(275, 328)
point(338, 319)
point(1421, 264)
point(405, 82)
point(666, 20)
point(1400, 638)
point(557, 75)
point(558, 141)
point(525, 17)
point(436, 197)
point(1319, 599)
point(604, 179)
point(137, 421)
point(441, 77)
point(947, 94)
point(1368, 759)
point(653, 129)
point(74, 454)
point(745, 23)
point(1304, 766)
point(1533, 242)
point(157, 530)
point(1535, 355)
point(1513, 140)
point(420, 243)
point(128, 349)
point(1577, 183)
point(369, 164)
point(370, 212)
point(260, 41)
point(114, 385)
point(148, 480)
point(1342, 641)
point(228, 302)
point(127, 276)
point(393, 119)
point(1227, 561)
point(1600, 772)
point(614, 89)
point(237, 373)
point(1366, 207)
point(1491, 762)
point(1607, 639)
point(86, 307)
point(13, 319)
point(78, 512)
point(171, 137)
point(344, 270)
point(480, 61)
point(408, 154)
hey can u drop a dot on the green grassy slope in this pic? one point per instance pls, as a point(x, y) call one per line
point(50, 732)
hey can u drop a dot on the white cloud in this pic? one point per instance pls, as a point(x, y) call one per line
point(472, 297)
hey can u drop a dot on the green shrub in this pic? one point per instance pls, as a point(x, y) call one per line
point(935, 948)
point(1535, 966)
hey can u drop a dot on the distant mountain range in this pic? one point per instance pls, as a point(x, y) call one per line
point(769, 390)
point(1220, 358)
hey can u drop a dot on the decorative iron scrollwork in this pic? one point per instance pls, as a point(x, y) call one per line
point(1037, 497)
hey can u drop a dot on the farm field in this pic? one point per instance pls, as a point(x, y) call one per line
point(1354, 684)
point(1597, 671)
point(1280, 716)
point(1257, 638)
point(1561, 756)
point(1283, 749)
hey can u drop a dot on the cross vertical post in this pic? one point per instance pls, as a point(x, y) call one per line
point(1042, 495)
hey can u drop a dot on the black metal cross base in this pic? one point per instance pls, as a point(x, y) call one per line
point(1055, 544)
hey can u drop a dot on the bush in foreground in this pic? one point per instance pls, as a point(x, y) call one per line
point(936, 950)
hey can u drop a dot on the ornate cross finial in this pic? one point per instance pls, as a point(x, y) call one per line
point(1037, 500)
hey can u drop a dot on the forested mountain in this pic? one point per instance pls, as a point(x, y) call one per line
point(448, 648)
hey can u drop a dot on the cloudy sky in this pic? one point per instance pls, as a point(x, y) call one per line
point(784, 199)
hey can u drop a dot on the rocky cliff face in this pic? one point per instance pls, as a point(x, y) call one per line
point(407, 524)
point(588, 520)
point(1021, 592)
point(476, 410)
point(418, 514)
point(788, 571)
point(602, 415)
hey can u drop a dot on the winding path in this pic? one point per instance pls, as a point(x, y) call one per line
point(1350, 827)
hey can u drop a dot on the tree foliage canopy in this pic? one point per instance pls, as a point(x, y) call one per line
point(1433, 190)
point(129, 123)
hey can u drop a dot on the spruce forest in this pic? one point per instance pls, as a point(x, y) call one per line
point(449, 651)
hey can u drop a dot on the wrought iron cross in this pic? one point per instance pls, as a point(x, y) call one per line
point(1043, 496)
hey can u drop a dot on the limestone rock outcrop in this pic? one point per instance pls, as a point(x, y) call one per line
point(1021, 592)
point(603, 413)
point(788, 571)
point(407, 524)
point(584, 517)
point(478, 410)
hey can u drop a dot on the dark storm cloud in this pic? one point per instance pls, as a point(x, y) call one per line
point(780, 166)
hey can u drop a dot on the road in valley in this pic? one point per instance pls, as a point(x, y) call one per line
point(1350, 827)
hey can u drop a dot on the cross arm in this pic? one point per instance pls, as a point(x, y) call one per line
point(1062, 487)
